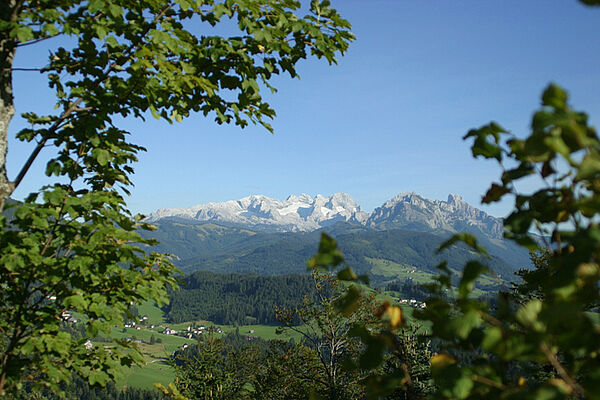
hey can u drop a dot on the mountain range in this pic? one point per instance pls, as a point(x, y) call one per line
point(304, 213)
point(398, 240)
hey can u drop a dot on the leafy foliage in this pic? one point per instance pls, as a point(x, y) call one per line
point(315, 367)
point(392, 359)
point(61, 257)
point(326, 331)
point(541, 342)
point(235, 368)
point(546, 323)
point(79, 389)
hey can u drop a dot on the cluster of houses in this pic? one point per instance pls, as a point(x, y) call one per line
point(66, 316)
point(190, 332)
point(137, 326)
point(413, 303)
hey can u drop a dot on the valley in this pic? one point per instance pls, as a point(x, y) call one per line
point(158, 348)
point(236, 270)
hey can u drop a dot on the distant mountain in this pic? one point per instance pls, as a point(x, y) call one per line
point(414, 212)
point(261, 235)
point(304, 213)
point(297, 213)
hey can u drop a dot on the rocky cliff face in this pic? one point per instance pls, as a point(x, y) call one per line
point(412, 211)
point(305, 213)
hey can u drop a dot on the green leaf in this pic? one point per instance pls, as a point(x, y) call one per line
point(495, 193)
point(115, 10)
point(555, 96)
point(51, 29)
point(76, 301)
point(349, 303)
point(23, 33)
point(327, 255)
point(464, 324)
point(528, 314)
point(589, 167)
point(102, 156)
point(486, 141)
point(471, 271)
point(347, 274)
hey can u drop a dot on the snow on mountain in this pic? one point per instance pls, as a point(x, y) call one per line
point(305, 213)
point(296, 213)
point(412, 211)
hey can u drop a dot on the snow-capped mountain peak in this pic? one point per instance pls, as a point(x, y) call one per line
point(306, 213)
point(296, 213)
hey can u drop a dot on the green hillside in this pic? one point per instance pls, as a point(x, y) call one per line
point(210, 247)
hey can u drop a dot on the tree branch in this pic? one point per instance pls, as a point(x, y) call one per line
point(560, 369)
point(74, 106)
point(488, 382)
point(42, 143)
point(37, 40)
point(27, 69)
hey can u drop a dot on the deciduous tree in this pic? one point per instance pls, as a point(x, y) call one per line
point(326, 331)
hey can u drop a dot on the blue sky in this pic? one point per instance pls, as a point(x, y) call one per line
point(388, 119)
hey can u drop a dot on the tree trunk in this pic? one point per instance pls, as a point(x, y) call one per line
point(8, 12)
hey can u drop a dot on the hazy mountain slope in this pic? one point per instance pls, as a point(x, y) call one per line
point(201, 240)
point(186, 240)
point(289, 255)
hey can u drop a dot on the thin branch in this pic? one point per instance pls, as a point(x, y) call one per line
point(560, 369)
point(74, 106)
point(490, 319)
point(27, 69)
point(42, 143)
point(488, 382)
point(13, 18)
point(37, 40)
point(82, 109)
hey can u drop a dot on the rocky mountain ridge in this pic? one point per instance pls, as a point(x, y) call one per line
point(305, 213)
point(414, 212)
point(297, 213)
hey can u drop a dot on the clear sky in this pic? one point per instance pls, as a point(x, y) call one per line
point(388, 119)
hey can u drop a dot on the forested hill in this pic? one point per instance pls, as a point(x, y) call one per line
point(236, 299)
point(227, 249)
